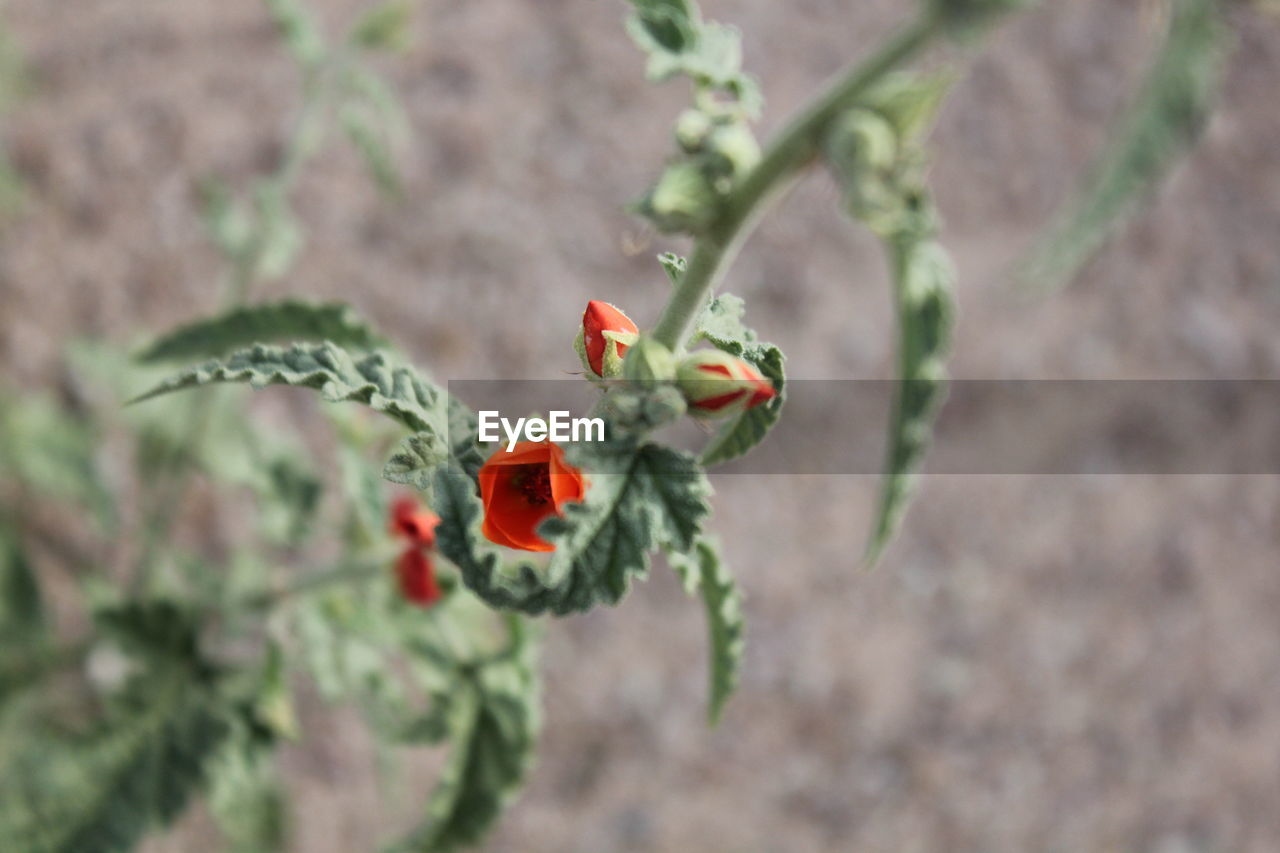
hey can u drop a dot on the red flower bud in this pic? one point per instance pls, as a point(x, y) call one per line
point(521, 488)
point(716, 384)
point(417, 577)
point(606, 334)
point(414, 522)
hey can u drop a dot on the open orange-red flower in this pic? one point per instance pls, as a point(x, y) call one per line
point(521, 488)
point(414, 522)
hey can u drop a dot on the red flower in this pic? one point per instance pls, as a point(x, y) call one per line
point(715, 383)
point(521, 488)
point(414, 522)
point(417, 577)
point(606, 335)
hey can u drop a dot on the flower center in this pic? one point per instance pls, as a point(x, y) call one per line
point(534, 482)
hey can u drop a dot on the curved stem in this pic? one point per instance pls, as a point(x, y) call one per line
point(793, 149)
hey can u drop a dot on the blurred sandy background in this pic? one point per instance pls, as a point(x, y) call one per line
point(1041, 663)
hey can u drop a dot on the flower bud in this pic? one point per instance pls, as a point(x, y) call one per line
point(692, 129)
point(413, 522)
point(417, 578)
point(862, 141)
point(716, 384)
point(649, 362)
point(605, 335)
point(735, 149)
point(682, 200)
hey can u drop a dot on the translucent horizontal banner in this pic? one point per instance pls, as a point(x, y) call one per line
point(983, 427)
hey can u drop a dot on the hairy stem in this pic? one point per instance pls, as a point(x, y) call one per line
point(793, 149)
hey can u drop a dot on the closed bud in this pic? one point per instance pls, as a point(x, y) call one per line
point(862, 141)
point(692, 129)
point(735, 146)
point(417, 578)
point(682, 200)
point(716, 384)
point(605, 335)
point(649, 362)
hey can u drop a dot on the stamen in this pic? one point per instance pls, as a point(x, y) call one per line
point(534, 482)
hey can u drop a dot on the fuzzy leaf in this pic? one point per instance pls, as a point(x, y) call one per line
point(1163, 123)
point(111, 789)
point(702, 568)
point(492, 718)
point(283, 322)
point(637, 499)
point(139, 768)
point(923, 282)
point(678, 41)
point(414, 463)
point(373, 380)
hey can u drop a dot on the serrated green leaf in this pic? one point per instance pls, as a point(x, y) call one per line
point(492, 717)
point(638, 498)
point(1163, 123)
point(373, 380)
point(414, 463)
point(677, 41)
point(703, 569)
point(136, 770)
point(720, 325)
point(272, 322)
point(673, 265)
point(102, 794)
point(923, 283)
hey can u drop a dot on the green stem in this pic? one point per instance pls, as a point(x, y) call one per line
point(793, 149)
point(354, 573)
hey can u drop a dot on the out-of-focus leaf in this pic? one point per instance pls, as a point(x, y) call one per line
point(1161, 125)
point(386, 26)
point(702, 568)
point(271, 322)
point(22, 619)
point(492, 717)
point(300, 31)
